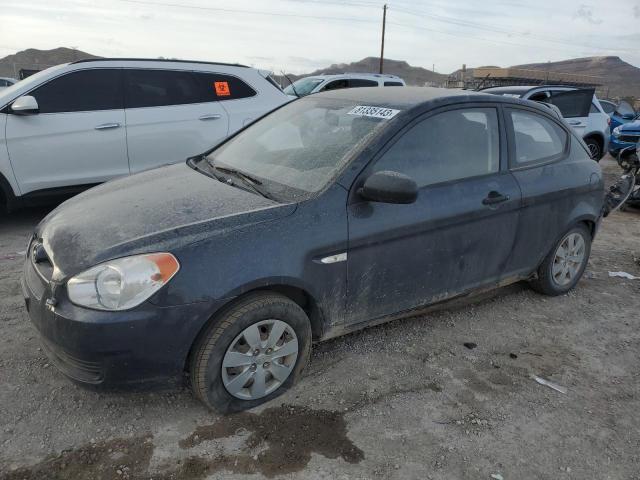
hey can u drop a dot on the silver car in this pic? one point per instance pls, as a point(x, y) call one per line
point(579, 106)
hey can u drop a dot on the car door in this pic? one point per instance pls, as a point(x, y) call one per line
point(76, 138)
point(170, 117)
point(575, 106)
point(550, 185)
point(459, 233)
point(237, 98)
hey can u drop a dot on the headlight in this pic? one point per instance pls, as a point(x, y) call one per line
point(122, 283)
point(616, 132)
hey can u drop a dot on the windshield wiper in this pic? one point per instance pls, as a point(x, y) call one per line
point(246, 178)
point(238, 173)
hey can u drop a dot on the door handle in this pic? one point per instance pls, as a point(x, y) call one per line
point(575, 124)
point(495, 197)
point(106, 126)
point(211, 116)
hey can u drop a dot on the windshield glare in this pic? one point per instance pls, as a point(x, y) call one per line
point(303, 87)
point(298, 149)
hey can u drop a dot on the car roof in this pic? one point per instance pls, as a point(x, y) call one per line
point(521, 89)
point(384, 76)
point(164, 60)
point(408, 96)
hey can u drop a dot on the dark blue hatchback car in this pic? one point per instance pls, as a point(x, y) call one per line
point(332, 213)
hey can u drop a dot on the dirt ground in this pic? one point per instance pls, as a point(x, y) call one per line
point(404, 400)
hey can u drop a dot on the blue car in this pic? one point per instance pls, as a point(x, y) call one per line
point(620, 113)
point(623, 136)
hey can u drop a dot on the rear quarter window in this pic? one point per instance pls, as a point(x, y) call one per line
point(219, 86)
point(537, 139)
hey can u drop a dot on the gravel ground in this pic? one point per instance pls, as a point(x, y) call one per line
point(404, 400)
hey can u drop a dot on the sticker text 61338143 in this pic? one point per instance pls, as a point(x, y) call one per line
point(375, 112)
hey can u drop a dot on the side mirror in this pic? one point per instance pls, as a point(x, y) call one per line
point(628, 116)
point(25, 105)
point(389, 187)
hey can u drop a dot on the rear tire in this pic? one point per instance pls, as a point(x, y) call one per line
point(595, 149)
point(241, 345)
point(560, 271)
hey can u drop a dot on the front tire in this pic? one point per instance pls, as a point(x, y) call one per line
point(561, 270)
point(252, 353)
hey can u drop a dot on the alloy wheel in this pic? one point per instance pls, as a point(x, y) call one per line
point(260, 359)
point(568, 259)
point(594, 150)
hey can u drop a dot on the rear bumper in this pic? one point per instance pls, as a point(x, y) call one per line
point(148, 345)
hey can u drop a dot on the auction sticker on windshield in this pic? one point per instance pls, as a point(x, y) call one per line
point(375, 112)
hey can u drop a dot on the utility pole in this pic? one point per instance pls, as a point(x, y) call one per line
point(384, 22)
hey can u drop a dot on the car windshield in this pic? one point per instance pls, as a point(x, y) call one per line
point(625, 109)
point(8, 94)
point(297, 150)
point(303, 87)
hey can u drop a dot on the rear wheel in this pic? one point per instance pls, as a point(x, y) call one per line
point(561, 270)
point(595, 149)
point(254, 352)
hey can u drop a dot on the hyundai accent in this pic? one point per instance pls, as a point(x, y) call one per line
point(332, 213)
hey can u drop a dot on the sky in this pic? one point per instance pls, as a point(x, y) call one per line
point(299, 36)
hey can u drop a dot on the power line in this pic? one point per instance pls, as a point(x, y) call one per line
point(251, 12)
point(436, 17)
point(496, 29)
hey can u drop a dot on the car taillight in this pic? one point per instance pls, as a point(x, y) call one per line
point(608, 120)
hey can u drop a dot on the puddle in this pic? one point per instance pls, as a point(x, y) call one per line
point(289, 434)
point(280, 440)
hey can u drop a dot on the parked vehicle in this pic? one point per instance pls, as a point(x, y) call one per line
point(580, 107)
point(626, 190)
point(321, 83)
point(624, 136)
point(7, 82)
point(80, 124)
point(620, 113)
point(335, 212)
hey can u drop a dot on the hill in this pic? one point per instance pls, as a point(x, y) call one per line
point(411, 75)
point(622, 78)
point(33, 59)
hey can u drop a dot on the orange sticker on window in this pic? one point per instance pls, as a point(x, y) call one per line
point(222, 89)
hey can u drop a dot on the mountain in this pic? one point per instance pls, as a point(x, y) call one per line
point(621, 78)
point(33, 59)
point(411, 75)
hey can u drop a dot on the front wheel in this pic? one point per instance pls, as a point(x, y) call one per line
point(561, 270)
point(254, 352)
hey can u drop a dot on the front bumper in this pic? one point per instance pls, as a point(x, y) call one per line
point(615, 145)
point(147, 345)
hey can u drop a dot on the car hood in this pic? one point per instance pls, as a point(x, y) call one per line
point(158, 210)
point(632, 126)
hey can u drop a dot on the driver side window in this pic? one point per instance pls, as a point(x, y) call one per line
point(452, 145)
point(336, 85)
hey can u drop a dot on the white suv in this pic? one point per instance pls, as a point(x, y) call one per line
point(579, 106)
point(79, 124)
point(320, 83)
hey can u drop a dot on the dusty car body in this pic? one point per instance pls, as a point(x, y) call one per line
point(393, 225)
